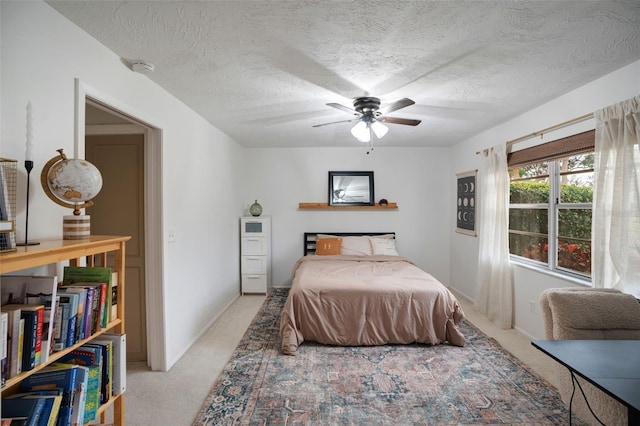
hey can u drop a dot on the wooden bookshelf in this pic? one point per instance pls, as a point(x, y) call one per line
point(93, 249)
point(326, 206)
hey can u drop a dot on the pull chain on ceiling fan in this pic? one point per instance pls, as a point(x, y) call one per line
point(370, 116)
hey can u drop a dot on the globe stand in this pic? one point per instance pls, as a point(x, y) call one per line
point(76, 226)
point(28, 164)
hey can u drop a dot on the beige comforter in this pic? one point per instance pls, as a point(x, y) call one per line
point(373, 300)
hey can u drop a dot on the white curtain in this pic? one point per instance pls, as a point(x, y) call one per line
point(616, 199)
point(494, 296)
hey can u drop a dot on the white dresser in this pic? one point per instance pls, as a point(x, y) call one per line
point(255, 254)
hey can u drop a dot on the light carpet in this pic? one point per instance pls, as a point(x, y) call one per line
point(480, 383)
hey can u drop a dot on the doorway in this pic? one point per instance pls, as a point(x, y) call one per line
point(116, 147)
point(127, 120)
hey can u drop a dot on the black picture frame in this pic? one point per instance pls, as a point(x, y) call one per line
point(466, 203)
point(351, 189)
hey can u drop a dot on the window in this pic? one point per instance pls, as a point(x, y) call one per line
point(551, 195)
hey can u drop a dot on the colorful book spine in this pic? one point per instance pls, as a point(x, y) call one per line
point(35, 290)
point(39, 330)
point(70, 299)
point(48, 325)
point(4, 353)
point(30, 343)
point(87, 358)
point(119, 355)
point(83, 321)
point(77, 416)
point(50, 408)
point(81, 313)
point(100, 362)
point(92, 401)
point(60, 376)
point(95, 310)
point(92, 274)
point(57, 328)
point(14, 341)
point(31, 408)
point(106, 346)
point(52, 399)
point(112, 305)
point(55, 410)
point(104, 305)
point(66, 314)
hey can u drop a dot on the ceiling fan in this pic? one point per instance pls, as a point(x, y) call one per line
point(370, 116)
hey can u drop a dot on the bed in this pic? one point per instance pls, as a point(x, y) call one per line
point(364, 293)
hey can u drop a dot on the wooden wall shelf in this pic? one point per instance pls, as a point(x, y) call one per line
point(326, 206)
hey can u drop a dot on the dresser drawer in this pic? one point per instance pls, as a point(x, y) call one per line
point(254, 283)
point(254, 245)
point(255, 226)
point(254, 264)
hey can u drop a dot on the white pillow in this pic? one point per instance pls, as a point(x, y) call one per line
point(353, 246)
point(392, 236)
point(385, 246)
point(356, 246)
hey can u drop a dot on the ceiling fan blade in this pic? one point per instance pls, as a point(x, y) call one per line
point(396, 120)
point(394, 106)
point(343, 108)
point(336, 122)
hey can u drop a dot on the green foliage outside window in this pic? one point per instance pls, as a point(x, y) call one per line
point(574, 225)
point(527, 192)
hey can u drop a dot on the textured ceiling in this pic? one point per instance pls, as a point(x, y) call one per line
point(262, 71)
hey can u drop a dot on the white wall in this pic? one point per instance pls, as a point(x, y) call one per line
point(413, 177)
point(42, 54)
point(610, 89)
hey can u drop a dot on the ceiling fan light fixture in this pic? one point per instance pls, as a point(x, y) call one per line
point(379, 129)
point(361, 132)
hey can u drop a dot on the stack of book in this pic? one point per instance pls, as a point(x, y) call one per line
point(45, 315)
point(41, 315)
point(30, 303)
point(70, 391)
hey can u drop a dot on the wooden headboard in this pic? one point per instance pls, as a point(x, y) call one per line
point(309, 246)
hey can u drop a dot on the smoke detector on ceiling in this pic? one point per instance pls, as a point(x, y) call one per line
point(143, 67)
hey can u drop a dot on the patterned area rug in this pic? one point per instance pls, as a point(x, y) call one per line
point(480, 383)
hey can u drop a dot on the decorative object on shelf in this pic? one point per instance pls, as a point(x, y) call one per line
point(8, 184)
point(351, 189)
point(72, 183)
point(28, 165)
point(255, 209)
point(466, 203)
point(383, 202)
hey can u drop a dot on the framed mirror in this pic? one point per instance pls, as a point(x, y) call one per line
point(351, 189)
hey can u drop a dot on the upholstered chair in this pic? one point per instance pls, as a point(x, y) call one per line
point(590, 314)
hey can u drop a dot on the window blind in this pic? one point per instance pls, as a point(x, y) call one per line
point(580, 143)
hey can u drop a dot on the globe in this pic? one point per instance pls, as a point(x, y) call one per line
point(71, 183)
point(74, 181)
